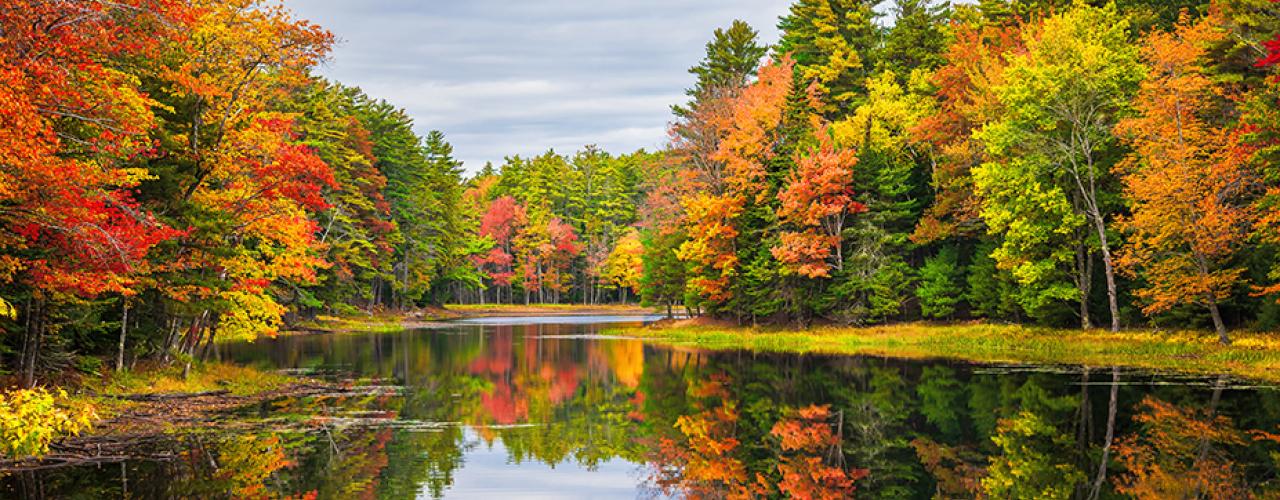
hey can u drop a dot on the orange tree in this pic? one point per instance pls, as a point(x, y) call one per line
point(1186, 181)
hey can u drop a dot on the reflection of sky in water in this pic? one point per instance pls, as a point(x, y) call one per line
point(489, 474)
point(559, 320)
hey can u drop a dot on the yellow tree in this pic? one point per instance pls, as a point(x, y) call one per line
point(623, 267)
point(1186, 180)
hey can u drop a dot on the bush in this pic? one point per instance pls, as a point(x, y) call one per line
point(30, 419)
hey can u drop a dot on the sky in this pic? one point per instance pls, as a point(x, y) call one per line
point(510, 77)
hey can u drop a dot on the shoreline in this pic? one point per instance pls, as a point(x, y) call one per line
point(435, 316)
point(155, 404)
point(1252, 356)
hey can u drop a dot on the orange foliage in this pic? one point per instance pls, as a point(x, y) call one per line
point(728, 174)
point(966, 99)
point(1178, 454)
point(1187, 178)
point(703, 464)
point(818, 198)
point(752, 130)
point(807, 468)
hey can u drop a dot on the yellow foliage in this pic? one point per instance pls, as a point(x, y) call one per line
point(30, 419)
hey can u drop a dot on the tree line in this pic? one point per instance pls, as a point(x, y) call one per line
point(173, 173)
point(1088, 163)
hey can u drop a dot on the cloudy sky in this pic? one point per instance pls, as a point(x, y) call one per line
point(503, 77)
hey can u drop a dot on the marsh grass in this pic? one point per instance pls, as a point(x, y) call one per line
point(204, 377)
point(1252, 355)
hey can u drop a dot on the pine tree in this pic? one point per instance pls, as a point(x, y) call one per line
point(939, 290)
point(731, 60)
point(916, 41)
point(835, 45)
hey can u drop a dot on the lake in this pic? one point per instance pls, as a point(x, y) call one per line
point(547, 407)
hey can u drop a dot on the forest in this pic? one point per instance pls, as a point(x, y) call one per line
point(173, 173)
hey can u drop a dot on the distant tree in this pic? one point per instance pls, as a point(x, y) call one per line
point(662, 283)
point(624, 266)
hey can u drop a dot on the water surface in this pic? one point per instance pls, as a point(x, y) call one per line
point(548, 408)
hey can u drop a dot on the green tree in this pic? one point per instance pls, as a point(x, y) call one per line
point(939, 287)
point(916, 41)
point(1050, 190)
point(731, 59)
point(662, 284)
point(835, 45)
point(992, 292)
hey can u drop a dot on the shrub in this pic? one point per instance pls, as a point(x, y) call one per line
point(30, 419)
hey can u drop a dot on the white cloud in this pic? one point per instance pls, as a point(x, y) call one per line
point(504, 77)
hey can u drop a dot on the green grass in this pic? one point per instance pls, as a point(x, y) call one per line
point(1255, 356)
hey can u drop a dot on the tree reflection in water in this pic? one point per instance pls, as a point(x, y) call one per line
point(706, 425)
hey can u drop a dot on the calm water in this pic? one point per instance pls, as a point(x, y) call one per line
point(515, 408)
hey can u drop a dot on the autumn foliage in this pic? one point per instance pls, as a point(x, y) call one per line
point(1188, 180)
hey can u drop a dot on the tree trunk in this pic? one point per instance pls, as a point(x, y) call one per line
point(1084, 272)
point(1108, 268)
point(32, 339)
point(1111, 433)
point(124, 330)
point(1218, 325)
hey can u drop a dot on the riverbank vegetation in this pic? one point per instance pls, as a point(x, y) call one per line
point(1251, 356)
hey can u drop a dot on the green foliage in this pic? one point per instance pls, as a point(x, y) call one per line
point(731, 58)
point(663, 281)
point(835, 45)
point(1034, 461)
point(939, 290)
point(916, 41)
point(992, 292)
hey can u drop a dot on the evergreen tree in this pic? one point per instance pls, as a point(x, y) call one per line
point(731, 59)
point(916, 41)
point(835, 45)
point(939, 290)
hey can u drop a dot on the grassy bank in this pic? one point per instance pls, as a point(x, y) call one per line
point(371, 323)
point(1254, 356)
point(547, 309)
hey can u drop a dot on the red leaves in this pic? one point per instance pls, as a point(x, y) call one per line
point(73, 221)
point(502, 220)
point(817, 199)
point(1273, 56)
point(297, 174)
point(1273, 51)
point(500, 223)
